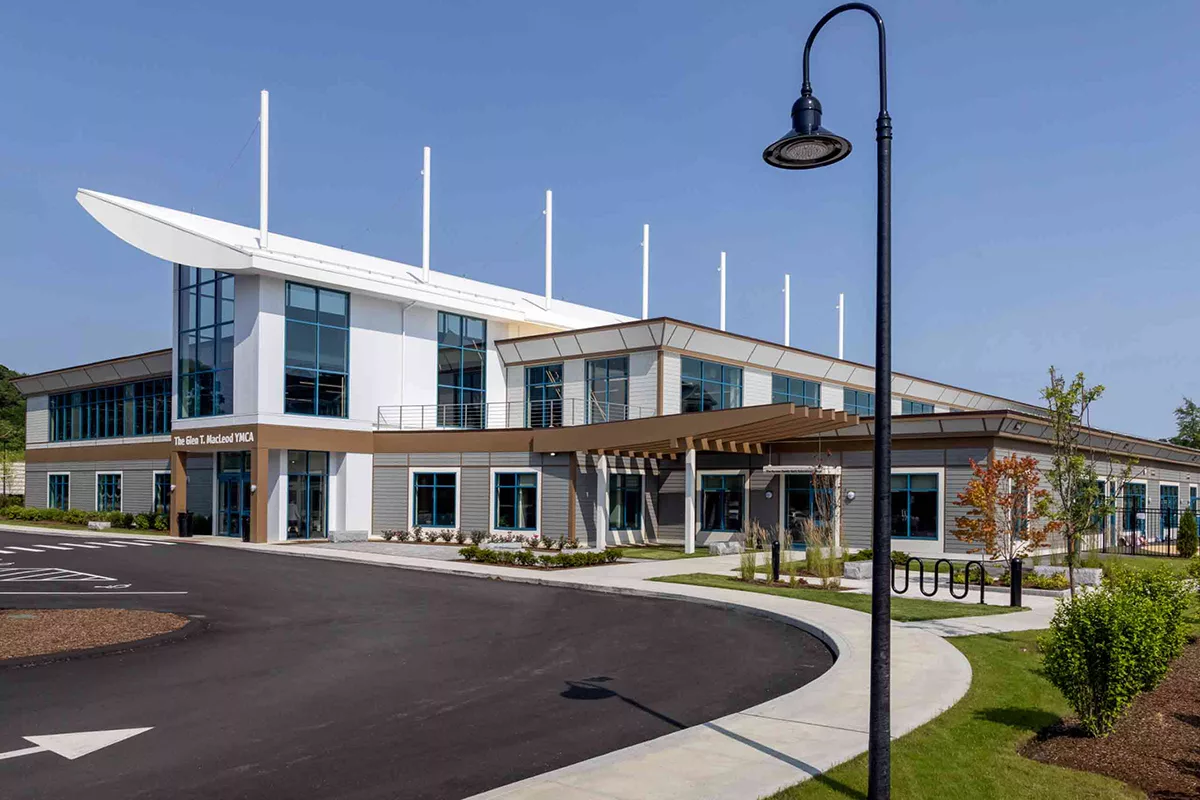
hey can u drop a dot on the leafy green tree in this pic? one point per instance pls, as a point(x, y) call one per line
point(1187, 534)
point(1074, 484)
point(1187, 424)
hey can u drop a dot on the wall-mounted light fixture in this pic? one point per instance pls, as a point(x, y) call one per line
point(253, 488)
point(850, 496)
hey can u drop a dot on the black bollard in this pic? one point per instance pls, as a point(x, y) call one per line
point(775, 561)
point(1014, 583)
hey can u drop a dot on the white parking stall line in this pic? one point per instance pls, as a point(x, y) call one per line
point(109, 544)
point(136, 544)
point(73, 544)
point(7, 552)
point(89, 594)
point(48, 574)
point(53, 547)
point(24, 549)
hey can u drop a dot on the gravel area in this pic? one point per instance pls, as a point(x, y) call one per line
point(1154, 746)
point(36, 632)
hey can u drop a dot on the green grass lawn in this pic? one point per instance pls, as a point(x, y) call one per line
point(971, 750)
point(904, 609)
point(660, 552)
point(1173, 563)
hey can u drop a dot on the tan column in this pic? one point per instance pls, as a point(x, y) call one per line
point(178, 488)
point(260, 471)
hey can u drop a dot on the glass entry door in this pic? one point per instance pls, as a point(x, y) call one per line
point(233, 495)
point(308, 474)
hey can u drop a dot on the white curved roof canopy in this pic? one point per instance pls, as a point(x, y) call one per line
point(182, 238)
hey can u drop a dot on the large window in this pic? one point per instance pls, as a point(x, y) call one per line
point(802, 501)
point(1134, 512)
point(915, 407)
point(915, 506)
point(58, 491)
point(162, 493)
point(856, 401)
point(722, 502)
point(516, 501)
point(308, 475)
point(435, 497)
point(462, 354)
point(1168, 504)
point(108, 491)
point(544, 396)
point(205, 373)
point(625, 502)
point(708, 386)
point(608, 389)
point(142, 408)
point(795, 390)
point(317, 352)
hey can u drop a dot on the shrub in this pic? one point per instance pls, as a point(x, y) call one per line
point(570, 542)
point(418, 535)
point(388, 535)
point(478, 537)
point(1187, 534)
point(899, 558)
point(866, 554)
point(1106, 646)
point(460, 536)
point(141, 522)
point(161, 522)
point(528, 558)
point(76, 517)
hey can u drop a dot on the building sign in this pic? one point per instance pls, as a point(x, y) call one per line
point(214, 439)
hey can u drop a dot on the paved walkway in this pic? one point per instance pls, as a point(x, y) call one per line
point(749, 754)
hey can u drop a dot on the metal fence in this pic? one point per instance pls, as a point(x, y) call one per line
point(554, 413)
point(1137, 531)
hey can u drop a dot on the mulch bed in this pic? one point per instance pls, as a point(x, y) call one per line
point(1156, 745)
point(37, 632)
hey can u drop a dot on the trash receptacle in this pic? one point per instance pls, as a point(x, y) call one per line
point(184, 520)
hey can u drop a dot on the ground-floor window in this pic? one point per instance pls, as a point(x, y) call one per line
point(1168, 503)
point(162, 493)
point(1134, 513)
point(625, 502)
point(308, 483)
point(108, 491)
point(915, 499)
point(58, 492)
point(722, 502)
point(803, 501)
point(516, 501)
point(435, 499)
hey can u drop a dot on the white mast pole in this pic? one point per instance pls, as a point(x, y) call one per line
point(264, 136)
point(425, 218)
point(646, 271)
point(549, 243)
point(787, 310)
point(841, 325)
point(722, 271)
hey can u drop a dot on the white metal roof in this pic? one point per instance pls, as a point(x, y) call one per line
point(183, 238)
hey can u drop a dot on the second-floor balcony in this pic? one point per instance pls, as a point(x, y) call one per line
point(516, 414)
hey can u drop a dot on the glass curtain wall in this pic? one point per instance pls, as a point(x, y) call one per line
point(205, 369)
point(317, 352)
point(462, 356)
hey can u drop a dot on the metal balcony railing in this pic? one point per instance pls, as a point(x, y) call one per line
point(517, 414)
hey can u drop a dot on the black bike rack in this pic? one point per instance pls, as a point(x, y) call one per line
point(936, 567)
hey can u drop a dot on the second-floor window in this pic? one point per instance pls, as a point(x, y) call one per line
point(915, 407)
point(795, 390)
point(462, 358)
point(708, 386)
point(608, 389)
point(544, 396)
point(856, 401)
point(142, 408)
point(316, 351)
point(205, 370)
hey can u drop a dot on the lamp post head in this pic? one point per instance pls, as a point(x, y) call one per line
point(807, 145)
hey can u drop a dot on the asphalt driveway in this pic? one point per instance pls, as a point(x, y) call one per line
point(320, 679)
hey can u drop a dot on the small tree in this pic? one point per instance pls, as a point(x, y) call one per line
point(1187, 534)
point(1006, 508)
point(1072, 475)
point(12, 443)
point(1187, 425)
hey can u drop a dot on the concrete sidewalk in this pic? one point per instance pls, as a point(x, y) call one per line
point(748, 754)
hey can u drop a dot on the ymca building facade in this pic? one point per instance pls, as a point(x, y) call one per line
point(310, 390)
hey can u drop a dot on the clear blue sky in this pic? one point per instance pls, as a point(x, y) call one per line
point(1045, 167)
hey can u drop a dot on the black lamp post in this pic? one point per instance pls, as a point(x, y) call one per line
point(807, 146)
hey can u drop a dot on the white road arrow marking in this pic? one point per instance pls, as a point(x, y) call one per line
point(73, 745)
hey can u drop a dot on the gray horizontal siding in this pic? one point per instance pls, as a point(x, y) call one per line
point(475, 498)
point(137, 491)
point(137, 483)
point(553, 513)
point(389, 487)
point(200, 484)
point(856, 514)
point(37, 419)
point(957, 479)
point(672, 487)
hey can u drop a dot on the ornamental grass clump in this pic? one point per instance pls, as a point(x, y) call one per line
point(1106, 646)
point(819, 553)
